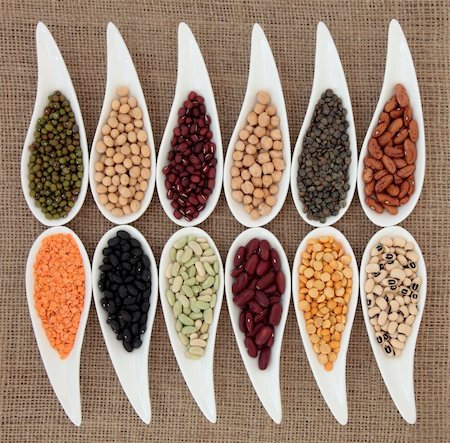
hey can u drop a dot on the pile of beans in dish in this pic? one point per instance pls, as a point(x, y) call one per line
point(123, 167)
point(59, 290)
point(258, 162)
point(191, 169)
point(325, 288)
point(259, 284)
point(391, 160)
point(193, 280)
point(55, 168)
point(392, 291)
point(125, 283)
point(323, 180)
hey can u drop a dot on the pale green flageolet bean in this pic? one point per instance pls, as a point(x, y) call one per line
point(208, 282)
point(202, 305)
point(170, 297)
point(188, 292)
point(188, 330)
point(193, 277)
point(180, 243)
point(183, 339)
point(186, 320)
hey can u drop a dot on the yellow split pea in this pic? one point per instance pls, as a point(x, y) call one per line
point(325, 286)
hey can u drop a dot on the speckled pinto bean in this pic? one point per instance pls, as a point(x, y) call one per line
point(193, 280)
point(391, 161)
point(191, 169)
point(258, 162)
point(258, 294)
point(392, 292)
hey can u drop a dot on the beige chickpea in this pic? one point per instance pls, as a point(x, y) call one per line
point(244, 134)
point(263, 97)
point(239, 146)
point(245, 174)
point(238, 196)
point(266, 142)
point(254, 214)
point(257, 182)
point(235, 172)
point(255, 170)
point(271, 110)
point(252, 118)
point(273, 189)
point(248, 208)
point(238, 164)
point(247, 187)
point(250, 149)
point(238, 155)
point(258, 193)
point(278, 164)
point(275, 121)
point(268, 168)
point(271, 200)
point(253, 139)
point(257, 201)
point(248, 160)
point(278, 145)
point(98, 176)
point(267, 180)
point(275, 134)
point(247, 200)
point(236, 183)
point(259, 108)
point(263, 120)
point(264, 209)
point(259, 131)
point(276, 154)
point(277, 176)
point(262, 158)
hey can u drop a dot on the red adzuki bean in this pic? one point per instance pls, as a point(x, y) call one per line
point(191, 171)
point(258, 286)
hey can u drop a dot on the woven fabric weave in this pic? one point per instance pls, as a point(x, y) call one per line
point(29, 409)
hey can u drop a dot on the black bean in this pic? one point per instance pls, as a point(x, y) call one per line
point(125, 282)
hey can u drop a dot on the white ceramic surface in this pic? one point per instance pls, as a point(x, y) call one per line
point(265, 382)
point(192, 76)
point(399, 69)
point(328, 74)
point(131, 367)
point(122, 72)
point(64, 374)
point(197, 374)
point(262, 76)
point(52, 76)
point(332, 384)
point(397, 372)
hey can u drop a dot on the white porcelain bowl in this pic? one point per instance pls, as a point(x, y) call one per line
point(192, 76)
point(397, 372)
point(332, 384)
point(399, 69)
point(265, 382)
point(198, 374)
point(262, 76)
point(64, 374)
point(328, 74)
point(52, 76)
point(122, 72)
point(131, 367)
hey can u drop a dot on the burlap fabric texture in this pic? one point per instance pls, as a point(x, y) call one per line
point(29, 410)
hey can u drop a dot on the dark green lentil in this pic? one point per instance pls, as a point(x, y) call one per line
point(55, 168)
point(323, 180)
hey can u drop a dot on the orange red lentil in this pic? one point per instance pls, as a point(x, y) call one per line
point(325, 285)
point(59, 290)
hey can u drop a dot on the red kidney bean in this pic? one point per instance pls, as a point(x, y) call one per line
point(239, 257)
point(190, 174)
point(251, 247)
point(275, 314)
point(251, 265)
point(275, 260)
point(257, 288)
point(244, 297)
point(264, 358)
point(249, 323)
point(280, 282)
point(263, 335)
point(251, 347)
point(242, 322)
point(261, 298)
point(264, 250)
point(263, 267)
